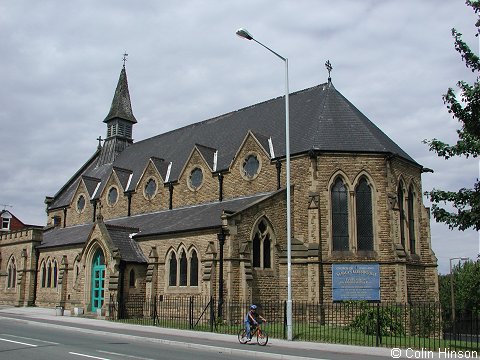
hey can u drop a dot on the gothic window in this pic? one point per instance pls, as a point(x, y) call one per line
point(55, 273)
point(339, 216)
point(411, 220)
point(12, 274)
point(80, 203)
point(363, 202)
point(173, 270)
point(44, 275)
point(262, 246)
point(131, 281)
point(251, 166)
point(112, 195)
point(183, 269)
point(196, 178)
point(194, 269)
point(49, 274)
point(401, 210)
point(150, 188)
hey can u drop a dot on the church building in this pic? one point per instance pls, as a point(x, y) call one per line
point(202, 210)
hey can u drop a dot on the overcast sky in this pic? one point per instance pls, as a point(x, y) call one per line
point(60, 62)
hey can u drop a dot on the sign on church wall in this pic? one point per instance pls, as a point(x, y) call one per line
point(356, 282)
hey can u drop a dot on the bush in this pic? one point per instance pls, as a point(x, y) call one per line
point(388, 319)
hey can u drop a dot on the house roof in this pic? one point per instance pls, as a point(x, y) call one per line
point(321, 118)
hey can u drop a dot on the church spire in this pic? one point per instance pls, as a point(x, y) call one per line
point(119, 120)
point(121, 106)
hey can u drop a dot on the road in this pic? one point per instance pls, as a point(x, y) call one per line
point(25, 338)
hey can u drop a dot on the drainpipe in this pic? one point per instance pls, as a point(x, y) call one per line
point(220, 186)
point(221, 241)
point(129, 206)
point(278, 165)
point(170, 190)
point(64, 217)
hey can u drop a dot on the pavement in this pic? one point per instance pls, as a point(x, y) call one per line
point(190, 338)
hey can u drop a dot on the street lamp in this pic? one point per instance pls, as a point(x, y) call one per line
point(452, 295)
point(246, 35)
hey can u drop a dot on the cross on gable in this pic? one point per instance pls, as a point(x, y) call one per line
point(124, 58)
point(99, 142)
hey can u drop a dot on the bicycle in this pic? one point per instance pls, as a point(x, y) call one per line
point(262, 335)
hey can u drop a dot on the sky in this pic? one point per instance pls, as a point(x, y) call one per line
point(60, 62)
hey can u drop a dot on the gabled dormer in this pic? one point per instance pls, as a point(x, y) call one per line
point(119, 120)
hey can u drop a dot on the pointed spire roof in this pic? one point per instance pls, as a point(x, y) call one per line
point(121, 107)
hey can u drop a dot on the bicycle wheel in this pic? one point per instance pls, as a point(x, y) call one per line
point(262, 337)
point(242, 336)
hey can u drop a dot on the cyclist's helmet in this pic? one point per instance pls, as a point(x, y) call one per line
point(253, 307)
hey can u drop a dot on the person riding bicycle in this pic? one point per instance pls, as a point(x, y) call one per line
point(251, 320)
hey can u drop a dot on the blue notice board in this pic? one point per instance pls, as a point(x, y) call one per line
point(356, 282)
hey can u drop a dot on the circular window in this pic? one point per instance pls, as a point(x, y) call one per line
point(112, 195)
point(150, 188)
point(80, 203)
point(251, 166)
point(196, 178)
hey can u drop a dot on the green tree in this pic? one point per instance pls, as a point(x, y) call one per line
point(464, 107)
point(466, 287)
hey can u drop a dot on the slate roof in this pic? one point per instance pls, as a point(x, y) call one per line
point(122, 239)
point(124, 231)
point(320, 118)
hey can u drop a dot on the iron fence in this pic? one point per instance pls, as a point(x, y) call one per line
point(418, 325)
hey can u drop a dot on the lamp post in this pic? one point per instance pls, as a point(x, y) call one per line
point(452, 294)
point(246, 35)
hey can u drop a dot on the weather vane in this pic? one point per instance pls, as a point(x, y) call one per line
point(124, 58)
point(329, 69)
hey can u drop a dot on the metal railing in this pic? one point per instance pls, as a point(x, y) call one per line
point(418, 325)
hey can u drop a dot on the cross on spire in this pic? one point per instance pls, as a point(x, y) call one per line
point(124, 58)
point(329, 67)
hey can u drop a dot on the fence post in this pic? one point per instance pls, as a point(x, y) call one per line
point(379, 335)
point(190, 313)
point(154, 309)
point(212, 313)
point(284, 319)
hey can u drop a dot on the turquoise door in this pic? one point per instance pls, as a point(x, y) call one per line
point(98, 280)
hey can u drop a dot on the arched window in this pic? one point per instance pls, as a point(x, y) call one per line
point(262, 246)
point(183, 269)
point(44, 275)
point(12, 274)
point(49, 274)
point(411, 219)
point(55, 273)
point(401, 210)
point(172, 280)
point(363, 202)
point(194, 269)
point(131, 281)
point(339, 216)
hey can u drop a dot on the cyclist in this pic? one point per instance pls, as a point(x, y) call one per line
point(251, 320)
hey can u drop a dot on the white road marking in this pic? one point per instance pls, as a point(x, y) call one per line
point(17, 342)
point(27, 338)
point(88, 356)
point(123, 355)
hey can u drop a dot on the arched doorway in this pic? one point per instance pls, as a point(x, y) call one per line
point(98, 280)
